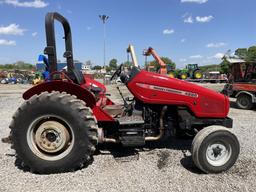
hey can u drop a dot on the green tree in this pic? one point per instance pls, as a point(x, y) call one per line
point(251, 54)
point(224, 67)
point(127, 64)
point(241, 53)
point(247, 54)
point(108, 69)
point(22, 65)
point(113, 63)
point(19, 65)
point(97, 67)
point(166, 60)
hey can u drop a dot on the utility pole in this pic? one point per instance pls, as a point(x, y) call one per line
point(104, 19)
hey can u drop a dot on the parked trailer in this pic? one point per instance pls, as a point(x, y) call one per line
point(242, 84)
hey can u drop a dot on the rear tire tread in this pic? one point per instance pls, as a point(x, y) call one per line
point(82, 112)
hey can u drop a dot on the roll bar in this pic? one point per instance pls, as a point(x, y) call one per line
point(50, 50)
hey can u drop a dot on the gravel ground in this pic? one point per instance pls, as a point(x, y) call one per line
point(153, 168)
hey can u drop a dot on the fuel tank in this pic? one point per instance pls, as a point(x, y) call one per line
point(154, 88)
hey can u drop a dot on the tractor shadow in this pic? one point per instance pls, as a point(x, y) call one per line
point(189, 165)
point(182, 144)
point(119, 153)
point(127, 154)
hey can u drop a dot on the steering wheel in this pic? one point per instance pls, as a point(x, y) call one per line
point(117, 72)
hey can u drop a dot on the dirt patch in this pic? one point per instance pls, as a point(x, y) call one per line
point(163, 159)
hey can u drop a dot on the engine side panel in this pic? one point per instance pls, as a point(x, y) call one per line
point(157, 89)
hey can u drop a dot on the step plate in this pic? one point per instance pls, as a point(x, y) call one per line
point(127, 120)
point(131, 131)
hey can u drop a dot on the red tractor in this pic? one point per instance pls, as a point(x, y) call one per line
point(62, 121)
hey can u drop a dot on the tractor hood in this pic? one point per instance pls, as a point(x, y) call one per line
point(154, 88)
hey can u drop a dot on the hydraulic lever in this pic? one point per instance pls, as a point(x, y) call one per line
point(125, 102)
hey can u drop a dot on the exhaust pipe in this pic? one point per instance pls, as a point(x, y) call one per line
point(161, 128)
point(110, 140)
point(102, 139)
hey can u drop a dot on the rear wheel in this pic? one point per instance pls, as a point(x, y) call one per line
point(183, 75)
point(244, 101)
point(215, 149)
point(198, 74)
point(54, 132)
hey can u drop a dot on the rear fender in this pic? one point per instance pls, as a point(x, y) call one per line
point(62, 86)
point(73, 89)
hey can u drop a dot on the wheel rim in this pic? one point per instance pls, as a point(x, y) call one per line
point(198, 75)
point(183, 76)
point(50, 138)
point(217, 154)
point(244, 101)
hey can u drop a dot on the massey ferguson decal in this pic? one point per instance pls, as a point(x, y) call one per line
point(168, 90)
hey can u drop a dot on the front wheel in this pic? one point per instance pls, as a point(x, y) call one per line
point(215, 149)
point(54, 132)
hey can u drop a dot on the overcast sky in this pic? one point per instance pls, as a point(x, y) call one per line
point(187, 31)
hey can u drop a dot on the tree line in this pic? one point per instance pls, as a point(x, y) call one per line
point(247, 54)
point(113, 64)
point(19, 65)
